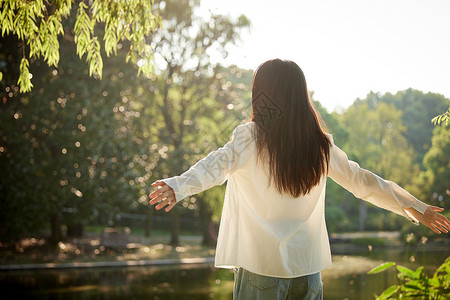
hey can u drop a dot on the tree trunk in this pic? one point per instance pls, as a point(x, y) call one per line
point(149, 222)
point(175, 226)
point(362, 215)
point(75, 230)
point(209, 231)
point(55, 227)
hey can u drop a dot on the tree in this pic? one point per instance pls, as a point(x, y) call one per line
point(377, 143)
point(184, 90)
point(433, 182)
point(210, 208)
point(417, 110)
point(437, 160)
point(92, 143)
point(70, 149)
point(38, 26)
point(333, 125)
point(337, 198)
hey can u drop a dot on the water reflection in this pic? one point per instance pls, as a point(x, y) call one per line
point(172, 282)
point(347, 279)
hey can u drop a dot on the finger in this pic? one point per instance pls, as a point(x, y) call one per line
point(443, 220)
point(437, 208)
point(157, 199)
point(156, 193)
point(158, 183)
point(171, 205)
point(160, 197)
point(441, 227)
point(434, 228)
point(160, 190)
point(162, 204)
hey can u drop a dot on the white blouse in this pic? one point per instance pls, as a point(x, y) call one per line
point(274, 234)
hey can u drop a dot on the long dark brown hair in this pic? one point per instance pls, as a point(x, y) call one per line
point(289, 136)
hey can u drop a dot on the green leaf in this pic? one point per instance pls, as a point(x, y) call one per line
point(445, 267)
point(381, 268)
point(406, 272)
point(83, 28)
point(434, 281)
point(419, 271)
point(24, 81)
point(413, 286)
point(388, 292)
point(441, 118)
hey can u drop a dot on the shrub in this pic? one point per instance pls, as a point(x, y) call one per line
point(416, 284)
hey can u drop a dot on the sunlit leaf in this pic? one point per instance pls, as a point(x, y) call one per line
point(25, 77)
point(404, 271)
point(39, 27)
point(388, 292)
point(441, 118)
point(381, 268)
point(419, 271)
point(413, 286)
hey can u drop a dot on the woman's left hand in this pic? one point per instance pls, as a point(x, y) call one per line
point(163, 195)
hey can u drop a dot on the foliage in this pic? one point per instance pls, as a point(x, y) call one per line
point(214, 201)
point(335, 217)
point(78, 150)
point(192, 95)
point(39, 25)
point(332, 124)
point(417, 284)
point(437, 166)
point(70, 150)
point(376, 141)
point(417, 109)
point(432, 184)
point(441, 118)
point(123, 132)
point(389, 134)
point(337, 199)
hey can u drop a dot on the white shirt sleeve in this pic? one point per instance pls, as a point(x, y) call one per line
point(215, 168)
point(370, 187)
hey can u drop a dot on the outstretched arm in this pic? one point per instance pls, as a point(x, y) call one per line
point(212, 170)
point(383, 193)
point(432, 219)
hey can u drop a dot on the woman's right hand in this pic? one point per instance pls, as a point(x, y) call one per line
point(432, 218)
point(163, 195)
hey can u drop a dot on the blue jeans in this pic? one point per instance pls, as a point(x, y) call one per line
point(248, 285)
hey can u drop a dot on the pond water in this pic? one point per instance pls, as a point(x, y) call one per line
point(346, 279)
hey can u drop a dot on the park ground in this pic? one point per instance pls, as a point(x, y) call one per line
point(35, 252)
